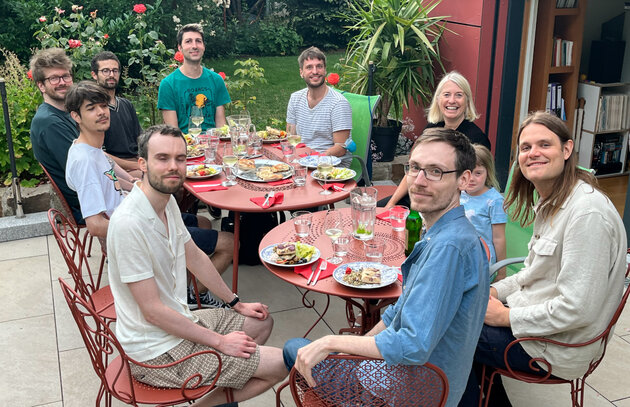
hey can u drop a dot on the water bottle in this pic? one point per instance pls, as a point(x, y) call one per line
point(413, 226)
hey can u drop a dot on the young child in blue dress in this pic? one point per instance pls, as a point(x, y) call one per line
point(484, 206)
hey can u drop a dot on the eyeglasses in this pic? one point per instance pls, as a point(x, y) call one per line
point(56, 80)
point(107, 71)
point(431, 174)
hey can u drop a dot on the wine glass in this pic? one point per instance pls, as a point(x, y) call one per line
point(324, 167)
point(229, 165)
point(239, 144)
point(196, 118)
point(254, 143)
point(333, 229)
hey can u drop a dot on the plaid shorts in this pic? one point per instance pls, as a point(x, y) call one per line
point(235, 371)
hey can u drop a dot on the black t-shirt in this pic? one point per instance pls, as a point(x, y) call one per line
point(470, 130)
point(121, 140)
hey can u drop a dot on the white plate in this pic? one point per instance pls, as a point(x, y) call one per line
point(274, 140)
point(389, 274)
point(218, 168)
point(267, 255)
point(310, 161)
point(251, 174)
point(352, 173)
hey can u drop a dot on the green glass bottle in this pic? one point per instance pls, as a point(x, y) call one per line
point(413, 227)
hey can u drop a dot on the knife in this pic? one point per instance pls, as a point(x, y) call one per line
point(205, 185)
point(322, 266)
point(312, 273)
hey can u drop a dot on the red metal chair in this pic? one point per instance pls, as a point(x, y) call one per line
point(577, 385)
point(88, 284)
point(115, 376)
point(70, 217)
point(359, 381)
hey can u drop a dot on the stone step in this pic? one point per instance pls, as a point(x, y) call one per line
point(31, 225)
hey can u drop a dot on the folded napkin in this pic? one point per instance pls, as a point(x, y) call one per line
point(259, 200)
point(383, 215)
point(198, 160)
point(281, 182)
point(335, 186)
point(400, 278)
point(206, 187)
point(300, 145)
point(305, 271)
point(311, 153)
point(276, 145)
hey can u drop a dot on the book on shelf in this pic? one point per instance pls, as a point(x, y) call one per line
point(566, 3)
point(613, 112)
point(555, 101)
point(562, 52)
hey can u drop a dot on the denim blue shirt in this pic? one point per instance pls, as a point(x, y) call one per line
point(439, 315)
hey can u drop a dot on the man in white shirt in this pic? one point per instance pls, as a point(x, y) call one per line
point(149, 252)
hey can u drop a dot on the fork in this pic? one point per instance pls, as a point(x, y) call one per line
point(322, 266)
point(266, 199)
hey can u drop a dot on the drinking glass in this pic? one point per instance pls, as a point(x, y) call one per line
point(333, 229)
point(374, 250)
point(288, 150)
point(214, 138)
point(341, 245)
point(254, 144)
point(363, 212)
point(302, 222)
point(397, 217)
point(240, 144)
point(294, 139)
point(229, 165)
point(196, 119)
point(324, 167)
point(299, 175)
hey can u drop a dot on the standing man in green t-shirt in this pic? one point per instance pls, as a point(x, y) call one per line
point(192, 84)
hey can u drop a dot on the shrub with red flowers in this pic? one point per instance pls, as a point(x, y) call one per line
point(179, 57)
point(139, 8)
point(222, 75)
point(82, 36)
point(333, 79)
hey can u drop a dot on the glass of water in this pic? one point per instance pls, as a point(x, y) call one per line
point(341, 245)
point(302, 222)
point(374, 250)
point(299, 175)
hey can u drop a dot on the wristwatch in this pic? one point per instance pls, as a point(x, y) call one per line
point(235, 301)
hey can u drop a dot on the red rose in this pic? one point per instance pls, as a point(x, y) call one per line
point(42, 19)
point(74, 43)
point(179, 57)
point(29, 74)
point(333, 79)
point(222, 75)
point(139, 8)
point(106, 36)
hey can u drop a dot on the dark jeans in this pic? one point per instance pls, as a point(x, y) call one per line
point(490, 351)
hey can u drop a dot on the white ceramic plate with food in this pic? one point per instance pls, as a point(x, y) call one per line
point(194, 151)
point(202, 171)
point(253, 175)
point(337, 174)
point(268, 255)
point(310, 161)
point(388, 274)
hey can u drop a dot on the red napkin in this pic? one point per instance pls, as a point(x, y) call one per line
point(281, 182)
point(276, 145)
point(198, 160)
point(311, 153)
point(400, 278)
point(335, 186)
point(259, 200)
point(207, 186)
point(305, 271)
point(300, 145)
point(383, 215)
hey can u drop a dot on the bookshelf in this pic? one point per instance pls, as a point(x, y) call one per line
point(557, 23)
point(603, 144)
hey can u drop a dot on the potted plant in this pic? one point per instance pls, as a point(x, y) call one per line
point(401, 40)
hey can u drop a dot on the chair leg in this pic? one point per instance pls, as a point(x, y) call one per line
point(577, 392)
point(194, 283)
point(280, 388)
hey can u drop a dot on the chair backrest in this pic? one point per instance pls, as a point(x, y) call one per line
point(73, 251)
point(62, 198)
point(356, 380)
point(362, 112)
point(516, 236)
point(100, 342)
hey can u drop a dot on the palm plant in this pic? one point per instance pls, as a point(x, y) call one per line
point(401, 39)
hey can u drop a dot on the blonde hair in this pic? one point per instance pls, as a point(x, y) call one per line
point(485, 160)
point(435, 115)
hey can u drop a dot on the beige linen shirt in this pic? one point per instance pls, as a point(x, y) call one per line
point(140, 247)
point(572, 280)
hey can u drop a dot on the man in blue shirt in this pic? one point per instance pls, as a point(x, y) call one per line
point(440, 313)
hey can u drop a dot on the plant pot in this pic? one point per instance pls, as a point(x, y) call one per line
point(385, 139)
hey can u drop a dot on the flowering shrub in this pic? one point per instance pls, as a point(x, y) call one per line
point(152, 58)
point(23, 97)
point(81, 36)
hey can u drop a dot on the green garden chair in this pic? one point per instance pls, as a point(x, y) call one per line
point(362, 112)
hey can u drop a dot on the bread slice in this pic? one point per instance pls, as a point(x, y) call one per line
point(370, 275)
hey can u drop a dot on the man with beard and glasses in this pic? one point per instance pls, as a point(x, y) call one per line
point(149, 252)
point(121, 139)
point(320, 114)
point(89, 171)
point(192, 85)
point(440, 312)
point(52, 128)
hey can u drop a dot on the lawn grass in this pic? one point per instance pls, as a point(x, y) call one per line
point(283, 78)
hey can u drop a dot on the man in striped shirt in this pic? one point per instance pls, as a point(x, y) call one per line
point(320, 114)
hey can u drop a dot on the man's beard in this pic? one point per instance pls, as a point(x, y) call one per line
point(157, 184)
point(107, 85)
